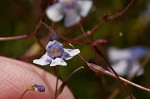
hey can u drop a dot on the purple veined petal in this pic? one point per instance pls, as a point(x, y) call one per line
point(71, 18)
point(66, 56)
point(58, 61)
point(54, 12)
point(54, 49)
point(85, 6)
point(72, 52)
point(115, 54)
point(69, 53)
point(44, 60)
point(50, 43)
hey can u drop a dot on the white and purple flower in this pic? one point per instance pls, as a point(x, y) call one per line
point(73, 10)
point(126, 61)
point(55, 53)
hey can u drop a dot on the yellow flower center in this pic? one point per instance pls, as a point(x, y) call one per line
point(55, 52)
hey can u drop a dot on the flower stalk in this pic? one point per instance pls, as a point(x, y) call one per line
point(57, 79)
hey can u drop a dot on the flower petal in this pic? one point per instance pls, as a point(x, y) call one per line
point(44, 60)
point(127, 68)
point(139, 52)
point(54, 49)
point(71, 18)
point(115, 54)
point(54, 12)
point(58, 61)
point(66, 56)
point(85, 6)
point(120, 67)
point(69, 53)
point(50, 43)
point(135, 66)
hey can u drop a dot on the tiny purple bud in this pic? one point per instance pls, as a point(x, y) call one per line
point(39, 88)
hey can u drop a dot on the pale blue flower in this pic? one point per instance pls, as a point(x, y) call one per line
point(72, 10)
point(55, 53)
point(126, 61)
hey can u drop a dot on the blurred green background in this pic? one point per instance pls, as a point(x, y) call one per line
point(18, 17)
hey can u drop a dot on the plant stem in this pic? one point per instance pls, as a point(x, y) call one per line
point(106, 18)
point(120, 81)
point(56, 87)
point(21, 97)
point(101, 54)
point(117, 90)
point(99, 70)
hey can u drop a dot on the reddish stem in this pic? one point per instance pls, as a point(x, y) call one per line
point(57, 75)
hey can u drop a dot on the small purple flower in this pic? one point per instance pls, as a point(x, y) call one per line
point(71, 9)
point(39, 88)
point(55, 53)
point(126, 61)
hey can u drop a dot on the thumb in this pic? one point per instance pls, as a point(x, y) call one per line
point(17, 76)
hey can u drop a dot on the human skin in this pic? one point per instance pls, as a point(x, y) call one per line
point(17, 76)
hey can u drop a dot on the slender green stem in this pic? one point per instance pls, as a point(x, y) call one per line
point(70, 75)
point(56, 87)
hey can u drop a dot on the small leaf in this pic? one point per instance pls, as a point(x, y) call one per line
point(61, 88)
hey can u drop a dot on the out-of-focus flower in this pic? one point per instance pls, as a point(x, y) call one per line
point(71, 9)
point(55, 53)
point(53, 37)
point(126, 61)
point(39, 88)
